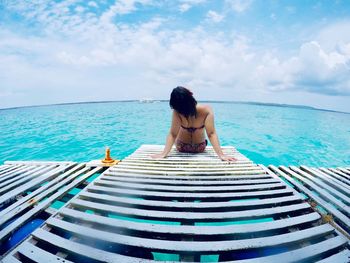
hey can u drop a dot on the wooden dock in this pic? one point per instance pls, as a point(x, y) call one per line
point(190, 208)
point(31, 189)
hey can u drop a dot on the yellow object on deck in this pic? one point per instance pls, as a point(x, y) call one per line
point(108, 161)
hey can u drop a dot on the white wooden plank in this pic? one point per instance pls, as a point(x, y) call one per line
point(191, 246)
point(273, 175)
point(326, 191)
point(33, 183)
point(13, 189)
point(180, 188)
point(10, 259)
point(114, 173)
point(330, 181)
point(23, 203)
point(319, 199)
point(39, 162)
point(252, 228)
point(191, 205)
point(342, 172)
point(341, 257)
point(336, 174)
point(212, 162)
point(27, 173)
point(44, 204)
point(345, 172)
point(304, 254)
point(39, 255)
point(84, 250)
point(184, 168)
point(165, 215)
point(120, 169)
point(218, 196)
point(217, 165)
point(143, 180)
point(16, 172)
point(187, 160)
point(8, 169)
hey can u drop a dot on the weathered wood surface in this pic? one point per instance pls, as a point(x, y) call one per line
point(189, 206)
point(40, 185)
point(328, 187)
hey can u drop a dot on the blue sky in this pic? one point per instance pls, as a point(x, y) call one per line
point(295, 52)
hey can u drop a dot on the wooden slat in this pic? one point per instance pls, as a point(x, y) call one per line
point(306, 254)
point(191, 246)
point(39, 162)
point(252, 228)
point(146, 181)
point(327, 192)
point(209, 165)
point(86, 251)
point(187, 177)
point(23, 178)
point(344, 172)
point(330, 184)
point(188, 172)
point(336, 174)
point(8, 168)
point(70, 169)
point(341, 257)
point(86, 195)
point(32, 184)
point(187, 162)
point(319, 198)
point(44, 204)
point(162, 215)
point(253, 194)
point(15, 172)
point(185, 169)
point(191, 205)
point(36, 196)
point(36, 254)
point(180, 188)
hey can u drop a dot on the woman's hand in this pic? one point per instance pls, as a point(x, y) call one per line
point(225, 157)
point(158, 156)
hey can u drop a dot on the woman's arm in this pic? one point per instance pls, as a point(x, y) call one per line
point(174, 130)
point(213, 137)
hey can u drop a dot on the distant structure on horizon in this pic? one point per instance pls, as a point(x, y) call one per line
point(148, 100)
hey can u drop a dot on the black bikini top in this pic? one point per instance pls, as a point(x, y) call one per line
point(192, 129)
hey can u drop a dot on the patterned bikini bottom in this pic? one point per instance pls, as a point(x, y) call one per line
point(191, 148)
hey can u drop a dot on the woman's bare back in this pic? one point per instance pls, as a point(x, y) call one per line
point(192, 129)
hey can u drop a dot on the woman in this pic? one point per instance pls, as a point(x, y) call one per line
point(187, 127)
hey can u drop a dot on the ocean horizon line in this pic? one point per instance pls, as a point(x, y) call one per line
point(271, 104)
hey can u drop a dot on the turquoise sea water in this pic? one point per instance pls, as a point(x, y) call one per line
point(266, 134)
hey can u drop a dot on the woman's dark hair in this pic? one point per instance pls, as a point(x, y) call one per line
point(182, 100)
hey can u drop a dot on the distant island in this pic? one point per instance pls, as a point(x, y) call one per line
point(205, 101)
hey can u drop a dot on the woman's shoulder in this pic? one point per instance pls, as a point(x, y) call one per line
point(204, 108)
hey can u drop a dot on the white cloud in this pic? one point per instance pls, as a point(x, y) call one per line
point(186, 5)
point(79, 9)
point(334, 34)
point(214, 16)
point(92, 4)
point(312, 70)
point(94, 58)
point(239, 6)
point(122, 7)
